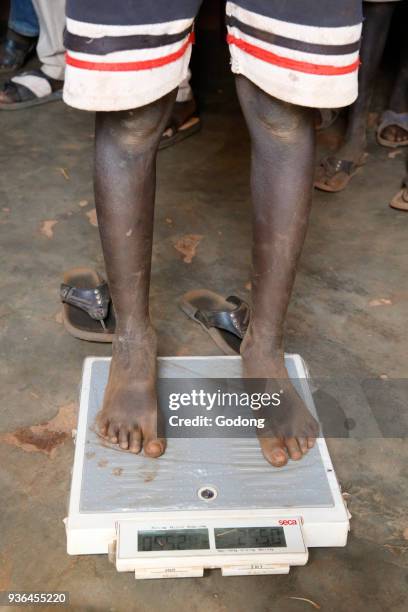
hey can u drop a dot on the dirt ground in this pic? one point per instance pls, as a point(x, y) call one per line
point(347, 316)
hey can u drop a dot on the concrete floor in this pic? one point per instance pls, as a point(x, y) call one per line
point(356, 252)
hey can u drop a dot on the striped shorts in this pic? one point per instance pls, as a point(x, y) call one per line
point(128, 53)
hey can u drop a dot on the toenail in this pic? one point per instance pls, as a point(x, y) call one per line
point(278, 457)
point(154, 448)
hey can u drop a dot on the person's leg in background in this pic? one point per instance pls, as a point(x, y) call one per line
point(50, 47)
point(23, 18)
point(289, 60)
point(335, 171)
point(184, 120)
point(400, 199)
point(43, 85)
point(393, 128)
point(22, 33)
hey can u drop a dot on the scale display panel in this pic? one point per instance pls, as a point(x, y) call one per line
point(173, 539)
point(250, 537)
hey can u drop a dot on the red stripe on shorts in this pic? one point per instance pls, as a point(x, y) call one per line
point(130, 66)
point(291, 64)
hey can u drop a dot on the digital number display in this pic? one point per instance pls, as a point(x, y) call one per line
point(173, 539)
point(250, 537)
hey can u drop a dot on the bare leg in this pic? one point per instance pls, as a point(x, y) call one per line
point(399, 96)
point(125, 180)
point(335, 171)
point(283, 144)
point(375, 31)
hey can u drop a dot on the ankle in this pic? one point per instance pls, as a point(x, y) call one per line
point(355, 141)
point(262, 344)
point(134, 355)
point(141, 333)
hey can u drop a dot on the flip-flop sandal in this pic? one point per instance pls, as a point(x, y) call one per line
point(400, 200)
point(391, 118)
point(334, 174)
point(224, 319)
point(176, 133)
point(87, 311)
point(29, 89)
point(328, 116)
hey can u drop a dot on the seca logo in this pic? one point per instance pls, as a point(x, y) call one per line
point(288, 522)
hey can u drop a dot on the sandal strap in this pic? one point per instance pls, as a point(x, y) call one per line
point(333, 165)
point(94, 302)
point(235, 321)
point(390, 117)
point(18, 91)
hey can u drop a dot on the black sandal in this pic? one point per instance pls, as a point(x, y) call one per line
point(390, 118)
point(87, 308)
point(334, 174)
point(224, 319)
point(23, 97)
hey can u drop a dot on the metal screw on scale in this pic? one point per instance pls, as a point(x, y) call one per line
point(207, 493)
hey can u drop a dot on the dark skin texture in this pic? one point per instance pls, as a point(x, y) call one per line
point(399, 96)
point(375, 31)
point(282, 139)
point(125, 181)
point(282, 155)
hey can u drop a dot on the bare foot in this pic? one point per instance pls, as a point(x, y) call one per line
point(291, 429)
point(129, 413)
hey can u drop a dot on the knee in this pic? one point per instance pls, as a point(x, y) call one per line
point(280, 119)
point(137, 130)
point(269, 115)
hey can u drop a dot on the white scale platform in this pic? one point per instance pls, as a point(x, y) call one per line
point(148, 513)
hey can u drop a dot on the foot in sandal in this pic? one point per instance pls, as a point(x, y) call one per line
point(184, 122)
point(15, 50)
point(400, 200)
point(393, 129)
point(336, 171)
point(29, 89)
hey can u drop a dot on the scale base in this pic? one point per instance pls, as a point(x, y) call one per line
point(117, 498)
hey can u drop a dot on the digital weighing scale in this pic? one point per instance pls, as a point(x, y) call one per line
point(206, 503)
